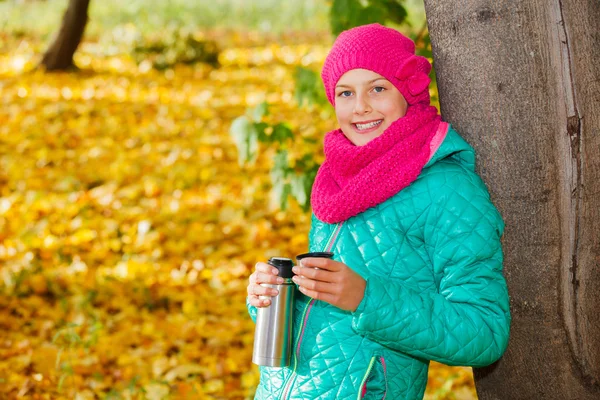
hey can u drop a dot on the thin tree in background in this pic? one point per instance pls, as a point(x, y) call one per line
point(59, 56)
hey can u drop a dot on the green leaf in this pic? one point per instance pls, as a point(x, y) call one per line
point(260, 128)
point(279, 174)
point(298, 189)
point(309, 89)
point(245, 137)
point(281, 162)
point(346, 14)
point(280, 193)
point(260, 111)
point(285, 193)
point(281, 132)
point(395, 12)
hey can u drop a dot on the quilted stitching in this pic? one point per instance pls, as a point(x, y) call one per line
point(432, 259)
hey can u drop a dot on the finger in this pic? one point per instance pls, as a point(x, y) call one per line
point(262, 277)
point(322, 263)
point(258, 302)
point(266, 268)
point(254, 300)
point(327, 297)
point(315, 274)
point(318, 286)
point(259, 290)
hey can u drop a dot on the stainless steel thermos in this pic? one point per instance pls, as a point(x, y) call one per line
point(273, 333)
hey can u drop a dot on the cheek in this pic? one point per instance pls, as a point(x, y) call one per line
point(342, 114)
point(344, 118)
point(395, 110)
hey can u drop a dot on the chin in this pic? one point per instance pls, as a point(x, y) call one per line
point(361, 140)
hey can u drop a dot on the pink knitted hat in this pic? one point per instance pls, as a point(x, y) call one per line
point(384, 51)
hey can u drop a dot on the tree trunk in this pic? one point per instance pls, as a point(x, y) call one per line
point(521, 81)
point(60, 54)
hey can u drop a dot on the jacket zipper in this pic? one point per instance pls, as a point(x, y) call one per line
point(363, 388)
point(382, 361)
point(361, 392)
point(306, 312)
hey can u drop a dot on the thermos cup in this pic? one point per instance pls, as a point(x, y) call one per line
point(273, 332)
point(317, 254)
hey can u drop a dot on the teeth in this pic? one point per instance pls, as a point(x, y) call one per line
point(369, 125)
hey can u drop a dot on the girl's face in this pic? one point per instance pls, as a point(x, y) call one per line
point(366, 104)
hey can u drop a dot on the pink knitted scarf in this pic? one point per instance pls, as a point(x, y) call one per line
point(355, 178)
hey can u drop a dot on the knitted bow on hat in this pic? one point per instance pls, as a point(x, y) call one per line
point(414, 80)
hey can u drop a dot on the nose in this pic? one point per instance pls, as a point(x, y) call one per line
point(361, 105)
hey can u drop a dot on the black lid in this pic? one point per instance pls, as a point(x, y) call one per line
point(283, 265)
point(317, 254)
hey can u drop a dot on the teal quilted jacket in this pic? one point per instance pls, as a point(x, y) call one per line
point(432, 260)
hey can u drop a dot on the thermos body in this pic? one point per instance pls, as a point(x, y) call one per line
point(274, 324)
point(273, 334)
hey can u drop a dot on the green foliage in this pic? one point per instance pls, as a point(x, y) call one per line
point(248, 130)
point(150, 16)
point(295, 182)
point(173, 46)
point(309, 89)
point(288, 180)
point(346, 14)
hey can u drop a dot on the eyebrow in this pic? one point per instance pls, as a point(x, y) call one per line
point(368, 83)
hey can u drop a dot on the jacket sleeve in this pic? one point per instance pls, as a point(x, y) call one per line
point(251, 310)
point(466, 321)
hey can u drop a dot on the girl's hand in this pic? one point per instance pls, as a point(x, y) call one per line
point(263, 273)
point(334, 282)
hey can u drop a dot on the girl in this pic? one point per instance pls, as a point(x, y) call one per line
point(417, 272)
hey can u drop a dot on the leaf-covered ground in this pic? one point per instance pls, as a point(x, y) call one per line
point(128, 230)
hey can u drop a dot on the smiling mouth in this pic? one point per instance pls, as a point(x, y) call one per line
point(368, 125)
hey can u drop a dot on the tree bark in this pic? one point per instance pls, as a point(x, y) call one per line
point(521, 81)
point(60, 54)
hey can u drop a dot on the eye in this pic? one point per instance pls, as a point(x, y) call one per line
point(378, 89)
point(345, 93)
